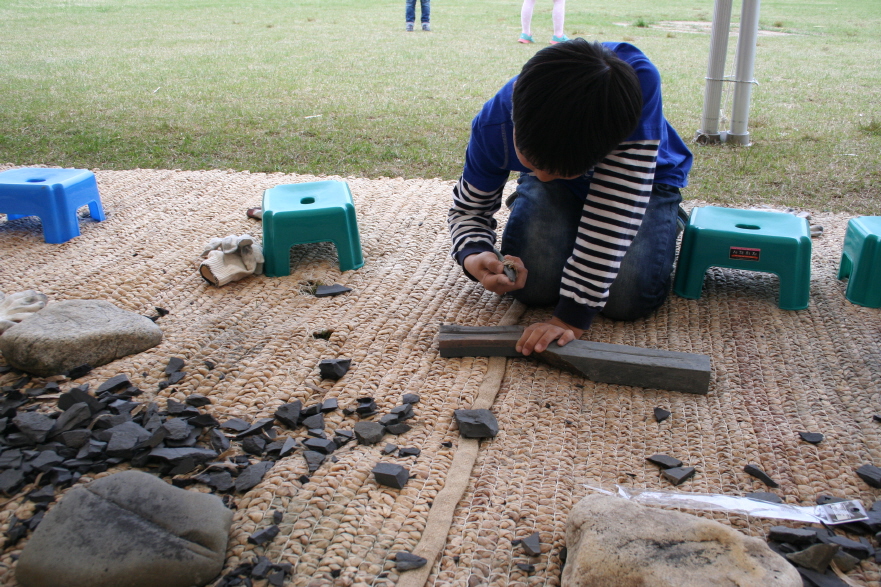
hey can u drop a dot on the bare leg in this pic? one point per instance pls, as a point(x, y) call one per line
point(526, 16)
point(558, 14)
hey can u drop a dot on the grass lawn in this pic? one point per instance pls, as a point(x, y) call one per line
point(338, 87)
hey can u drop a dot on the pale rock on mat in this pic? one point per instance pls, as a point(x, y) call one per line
point(775, 373)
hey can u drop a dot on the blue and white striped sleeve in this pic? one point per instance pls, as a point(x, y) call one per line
point(613, 211)
point(471, 221)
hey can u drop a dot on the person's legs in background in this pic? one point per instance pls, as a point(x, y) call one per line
point(526, 21)
point(410, 13)
point(558, 16)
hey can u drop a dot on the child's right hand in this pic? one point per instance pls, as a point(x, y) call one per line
point(490, 272)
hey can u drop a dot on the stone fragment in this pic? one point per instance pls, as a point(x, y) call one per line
point(391, 475)
point(10, 479)
point(78, 395)
point(816, 557)
point(73, 417)
point(329, 405)
point(614, 541)
point(764, 496)
point(261, 568)
point(678, 475)
point(321, 445)
point(263, 536)
point(852, 547)
point(276, 579)
point(664, 461)
point(756, 472)
point(115, 383)
point(33, 425)
point(812, 437)
point(476, 423)
point(219, 480)
point(254, 445)
point(661, 414)
point(69, 333)
point(256, 427)
point(389, 449)
point(407, 561)
point(252, 475)
point(45, 460)
point(78, 371)
point(409, 452)
point(369, 432)
point(75, 438)
point(176, 377)
point(526, 567)
point(288, 447)
point(316, 421)
point(402, 412)
point(174, 365)
point(314, 459)
point(316, 433)
point(797, 536)
point(138, 530)
point(531, 544)
point(43, 495)
point(410, 398)
point(845, 562)
point(365, 405)
point(398, 429)
point(289, 414)
point(197, 400)
point(868, 473)
point(125, 438)
point(176, 455)
point(203, 421)
point(177, 429)
point(324, 291)
point(277, 516)
point(334, 368)
point(235, 425)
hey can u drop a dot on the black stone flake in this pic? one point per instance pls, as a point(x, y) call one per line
point(288, 447)
point(664, 461)
point(531, 544)
point(447, 444)
point(177, 429)
point(78, 372)
point(796, 536)
point(174, 365)
point(197, 401)
point(262, 566)
point(389, 449)
point(409, 452)
point(115, 383)
point(812, 437)
point(321, 445)
point(369, 432)
point(204, 421)
point(324, 291)
point(252, 475)
point(678, 475)
point(391, 475)
point(334, 368)
point(316, 433)
point(176, 377)
point(760, 475)
point(289, 414)
point(406, 561)
point(526, 567)
point(277, 516)
point(256, 427)
point(476, 423)
point(661, 414)
point(410, 398)
point(235, 425)
point(329, 405)
point(871, 475)
point(314, 460)
point(316, 421)
point(263, 536)
point(34, 426)
point(254, 445)
point(10, 479)
point(398, 429)
point(764, 496)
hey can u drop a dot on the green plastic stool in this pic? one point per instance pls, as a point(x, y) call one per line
point(313, 212)
point(861, 261)
point(751, 240)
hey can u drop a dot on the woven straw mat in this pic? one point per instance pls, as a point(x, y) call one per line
point(775, 373)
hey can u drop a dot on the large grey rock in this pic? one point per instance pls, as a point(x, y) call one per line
point(129, 529)
point(612, 541)
point(67, 334)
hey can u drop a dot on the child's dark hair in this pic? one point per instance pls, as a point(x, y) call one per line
point(573, 103)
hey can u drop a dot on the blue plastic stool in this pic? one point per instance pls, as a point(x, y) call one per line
point(54, 195)
point(751, 240)
point(313, 212)
point(861, 261)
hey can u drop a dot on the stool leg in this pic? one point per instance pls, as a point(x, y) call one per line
point(277, 256)
point(96, 211)
point(795, 286)
point(688, 281)
point(845, 267)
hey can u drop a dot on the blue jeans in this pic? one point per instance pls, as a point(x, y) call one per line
point(541, 230)
point(411, 10)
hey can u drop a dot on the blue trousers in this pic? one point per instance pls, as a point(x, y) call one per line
point(541, 230)
point(411, 10)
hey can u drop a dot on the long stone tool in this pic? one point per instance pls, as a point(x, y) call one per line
point(602, 362)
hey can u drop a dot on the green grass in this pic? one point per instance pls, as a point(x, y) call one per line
point(338, 87)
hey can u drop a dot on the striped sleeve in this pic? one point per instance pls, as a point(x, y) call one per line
point(613, 211)
point(470, 219)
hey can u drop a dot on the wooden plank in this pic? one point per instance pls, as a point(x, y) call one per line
point(602, 362)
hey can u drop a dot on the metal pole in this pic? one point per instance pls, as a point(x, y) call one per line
point(709, 130)
point(745, 62)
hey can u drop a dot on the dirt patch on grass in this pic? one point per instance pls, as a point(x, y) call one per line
point(695, 26)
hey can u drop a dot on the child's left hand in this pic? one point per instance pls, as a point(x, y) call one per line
point(538, 336)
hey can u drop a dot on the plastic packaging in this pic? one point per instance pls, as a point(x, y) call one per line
point(837, 513)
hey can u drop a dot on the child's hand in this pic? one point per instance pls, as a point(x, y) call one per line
point(490, 272)
point(537, 337)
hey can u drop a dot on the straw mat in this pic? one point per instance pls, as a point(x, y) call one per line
point(775, 373)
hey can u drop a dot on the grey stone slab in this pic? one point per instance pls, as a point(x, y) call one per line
point(128, 529)
point(531, 544)
point(678, 475)
point(70, 333)
point(601, 362)
point(476, 423)
point(125, 438)
point(407, 561)
point(289, 414)
point(759, 474)
point(391, 475)
point(316, 421)
point(664, 461)
point(35, 426)
point(868, 473)
point(175, 455)
point(334, 368)
point(252, 475)
point(369, 432)
point(324, 291)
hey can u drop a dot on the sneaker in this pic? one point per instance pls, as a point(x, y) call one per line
point(555, 39)
point(524, 38)
point(426, 27)
point(409, 27)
